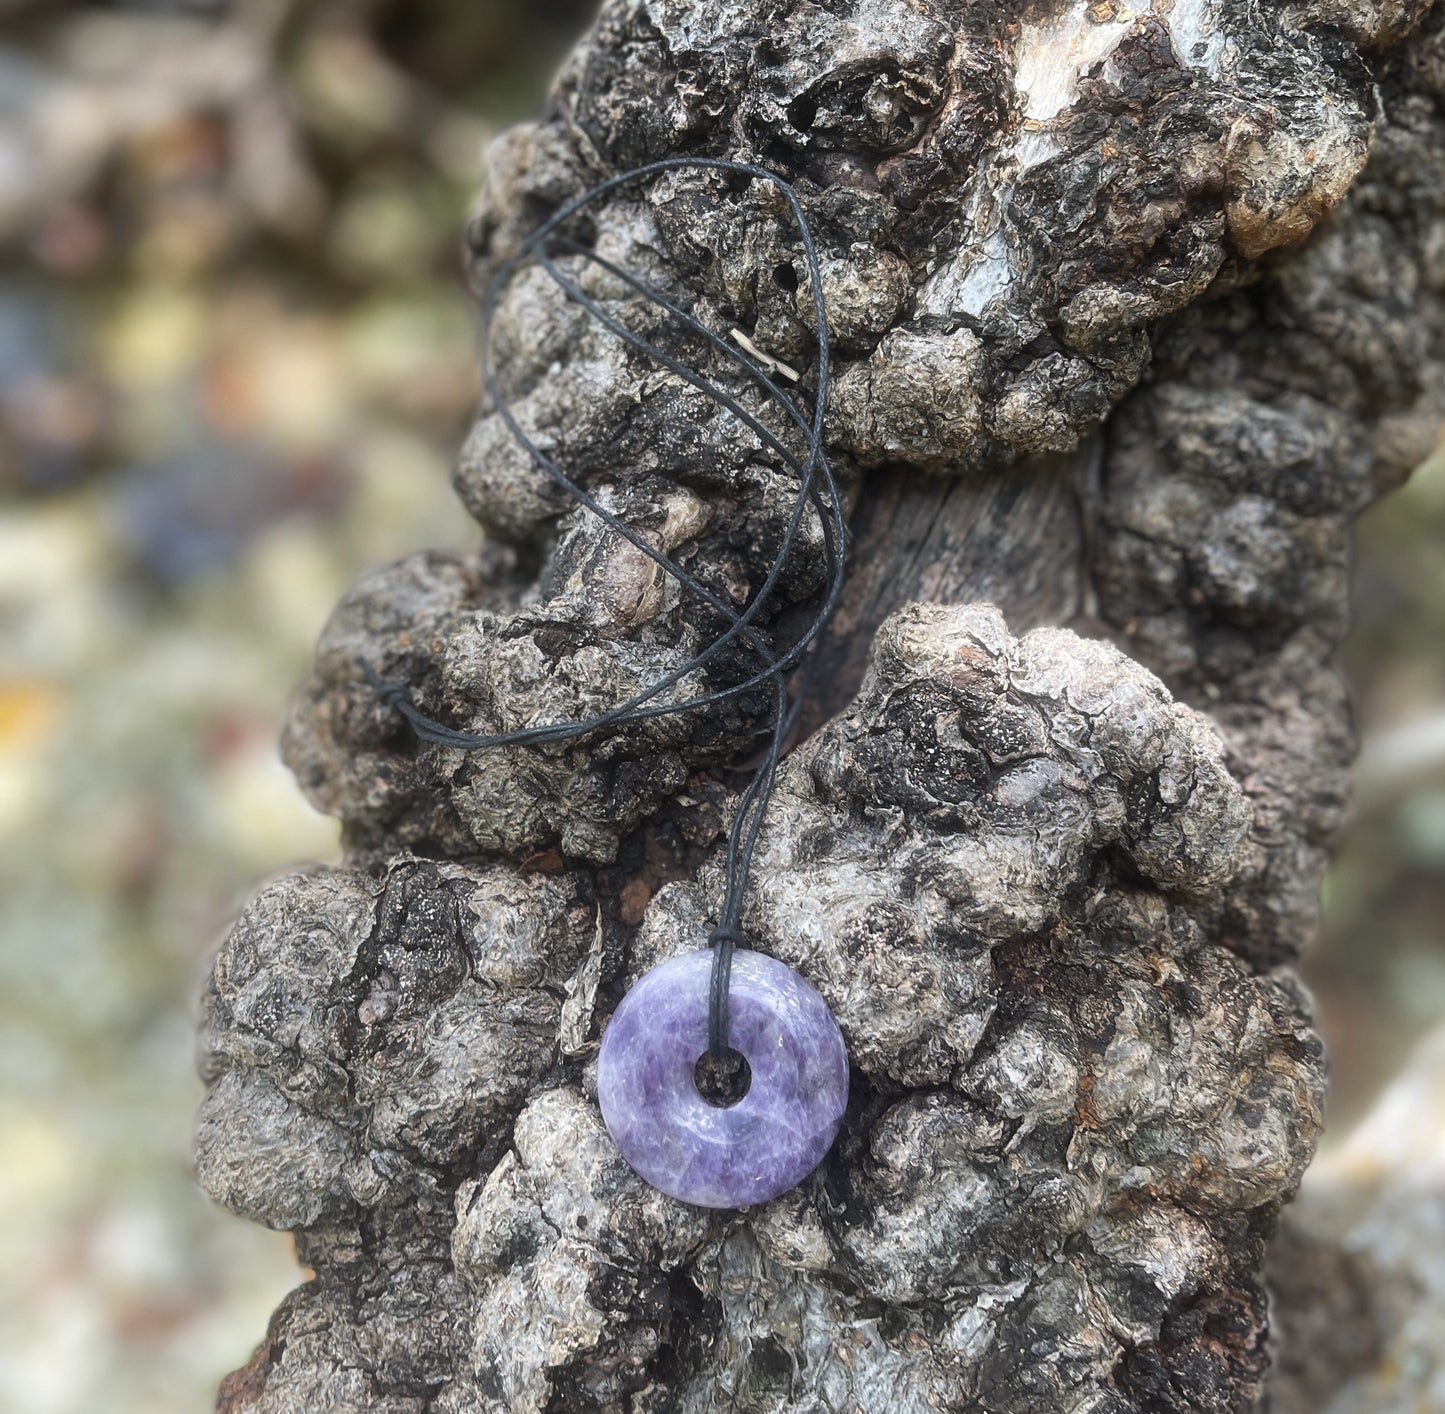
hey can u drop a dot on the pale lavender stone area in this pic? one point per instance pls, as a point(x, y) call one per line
point(776, 1135)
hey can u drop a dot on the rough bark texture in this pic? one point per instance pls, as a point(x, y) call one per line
point(1054, 891)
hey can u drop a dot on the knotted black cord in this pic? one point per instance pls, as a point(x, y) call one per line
point(825, 500)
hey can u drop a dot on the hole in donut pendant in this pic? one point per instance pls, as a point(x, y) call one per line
point(722, 1080)
point(766, 1137)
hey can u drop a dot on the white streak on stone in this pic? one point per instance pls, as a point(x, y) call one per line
point(1049, 59)
point(1198, 41)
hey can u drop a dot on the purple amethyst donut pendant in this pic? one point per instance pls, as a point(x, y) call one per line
point(695, 1150)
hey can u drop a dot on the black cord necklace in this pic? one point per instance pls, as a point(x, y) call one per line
point(779, 1003)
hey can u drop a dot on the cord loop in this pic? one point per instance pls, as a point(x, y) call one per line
point(817, 488)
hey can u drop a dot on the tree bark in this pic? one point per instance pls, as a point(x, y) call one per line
point(1136, 310)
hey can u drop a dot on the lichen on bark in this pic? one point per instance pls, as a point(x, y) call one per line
point(1052, 867)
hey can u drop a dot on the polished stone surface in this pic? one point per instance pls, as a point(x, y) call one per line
point(772, 1138)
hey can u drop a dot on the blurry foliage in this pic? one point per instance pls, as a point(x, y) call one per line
point(1379, 970)
point(236, 360)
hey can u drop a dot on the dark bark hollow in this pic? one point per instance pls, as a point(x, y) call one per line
point(1136, 310)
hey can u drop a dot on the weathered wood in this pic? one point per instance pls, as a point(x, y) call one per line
point(1012, 536)
point(1055, 894)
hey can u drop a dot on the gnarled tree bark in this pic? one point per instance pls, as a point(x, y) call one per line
point(1136, 310)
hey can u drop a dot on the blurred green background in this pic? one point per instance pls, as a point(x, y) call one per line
point(235, 364)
